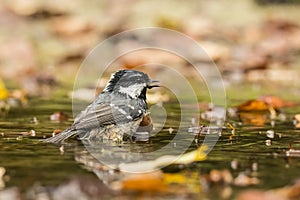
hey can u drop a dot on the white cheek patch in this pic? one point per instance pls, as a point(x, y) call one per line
point(133, 90)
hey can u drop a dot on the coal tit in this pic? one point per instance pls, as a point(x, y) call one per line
point(119, 110)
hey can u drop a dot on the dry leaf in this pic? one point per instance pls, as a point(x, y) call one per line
point(255, 118)
point(253, 105)
point(146, 166)
point(276, 102)
point(3, 91)
point(145, 182)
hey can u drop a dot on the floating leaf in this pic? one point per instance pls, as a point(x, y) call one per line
point(276, 102)
point(3, 91)
point(253, 105)
point(264, 103)
point(193, 156)
point(145, 182)
point(255, 118)
point(144, 166)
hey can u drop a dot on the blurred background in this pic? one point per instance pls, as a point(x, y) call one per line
point(43, 43)
point(254, 43)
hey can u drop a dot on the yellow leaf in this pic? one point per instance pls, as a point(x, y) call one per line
point(193, 156)
point(3, 91)
point(146, 166)
point(175, 178)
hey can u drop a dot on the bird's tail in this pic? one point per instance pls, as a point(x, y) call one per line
point(61, 136)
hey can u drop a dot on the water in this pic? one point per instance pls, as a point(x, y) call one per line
point(252, 150)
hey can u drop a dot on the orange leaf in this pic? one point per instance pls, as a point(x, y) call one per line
point(253, 105)
point(145, 182)
point(258, 119)
point(276, 102)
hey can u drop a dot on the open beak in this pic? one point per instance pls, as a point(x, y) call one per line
point(153, 84)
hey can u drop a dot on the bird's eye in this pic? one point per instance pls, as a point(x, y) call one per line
point(143, 93)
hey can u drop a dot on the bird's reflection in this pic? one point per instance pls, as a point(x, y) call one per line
point(103, 157)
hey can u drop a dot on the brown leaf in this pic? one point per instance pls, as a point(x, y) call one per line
point(255, 118)
point(145, 182)
point(276, 102)
point(253, 105)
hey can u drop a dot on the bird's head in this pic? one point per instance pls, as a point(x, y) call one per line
point(131, 83)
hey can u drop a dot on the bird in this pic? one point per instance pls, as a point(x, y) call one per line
point(120, 109)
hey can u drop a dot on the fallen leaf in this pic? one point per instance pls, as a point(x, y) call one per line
point(253, 105)
point(146, 166)
point(276, 102)
point(146, 182)
point(193, 156)
point(3, 91)
point(255, 118)
point(264, 103)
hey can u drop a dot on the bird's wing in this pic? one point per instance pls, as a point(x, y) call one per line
point(108, 113)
